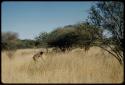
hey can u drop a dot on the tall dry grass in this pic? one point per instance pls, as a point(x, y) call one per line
point(94, 66)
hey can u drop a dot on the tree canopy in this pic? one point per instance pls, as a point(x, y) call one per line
point(108, 15)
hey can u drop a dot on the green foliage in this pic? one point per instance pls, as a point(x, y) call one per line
point(41, 39)
point(9, 40)
point(26, 43)
point(81, 34)
point(109, 16)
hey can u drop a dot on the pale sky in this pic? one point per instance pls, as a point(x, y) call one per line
point(28, 19)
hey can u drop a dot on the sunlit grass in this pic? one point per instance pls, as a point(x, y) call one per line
point(76, 66)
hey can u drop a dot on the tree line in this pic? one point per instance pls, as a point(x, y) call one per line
point(10, 41)
point(62, 38)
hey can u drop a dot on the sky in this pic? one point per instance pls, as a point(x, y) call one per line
point(28, 19)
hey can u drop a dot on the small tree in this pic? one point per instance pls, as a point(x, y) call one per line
point(10, 40)
point(62, 38)
point(9, 43)
point(41, 40)
point(87, 35)
point(109, 16)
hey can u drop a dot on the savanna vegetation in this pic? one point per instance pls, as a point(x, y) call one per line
point(103, 17)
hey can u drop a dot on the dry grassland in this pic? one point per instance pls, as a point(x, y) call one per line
point(76, 66)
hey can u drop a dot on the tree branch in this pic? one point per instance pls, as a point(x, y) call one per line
point(120, 61)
